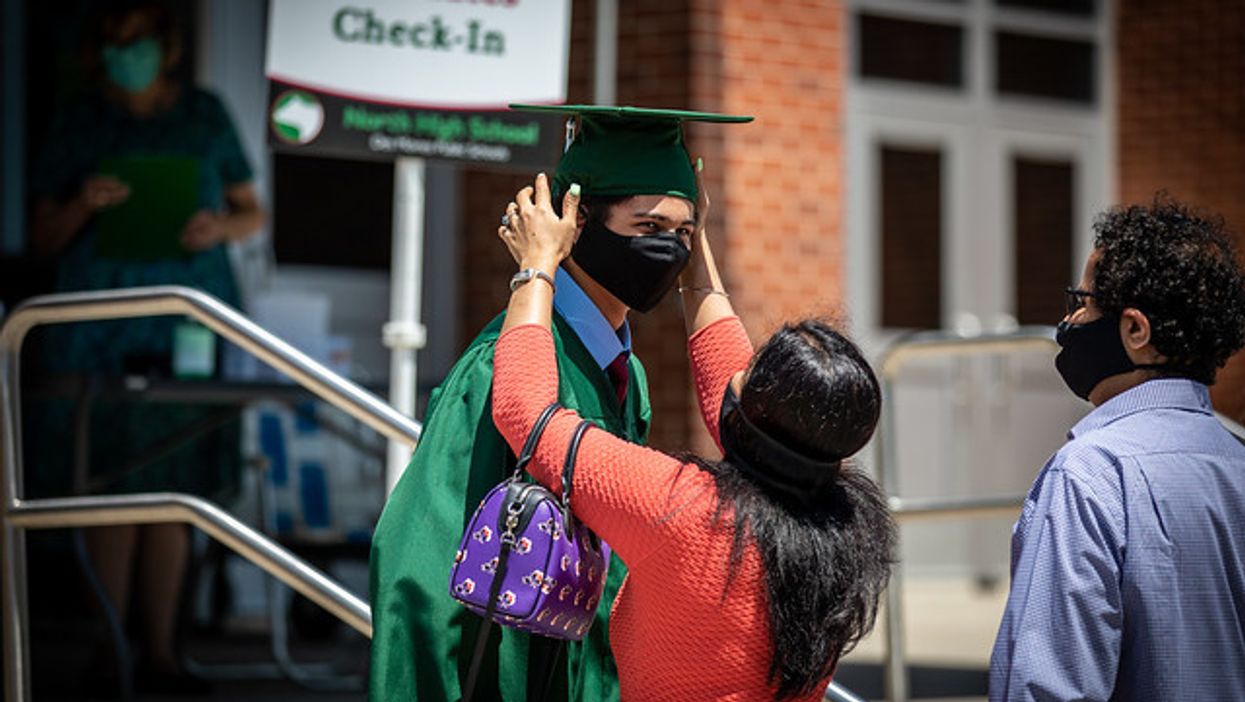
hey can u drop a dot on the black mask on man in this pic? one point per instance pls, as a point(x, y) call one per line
point(1092, 352)
point(638, 270)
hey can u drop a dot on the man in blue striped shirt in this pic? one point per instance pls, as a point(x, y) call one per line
point(1128, 560)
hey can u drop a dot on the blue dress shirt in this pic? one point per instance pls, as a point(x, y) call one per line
point(602, 341)
point(1128, 560)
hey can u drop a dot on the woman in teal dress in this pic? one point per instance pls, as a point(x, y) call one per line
point(140, 112)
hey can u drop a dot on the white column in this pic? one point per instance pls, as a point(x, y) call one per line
point(605, 57)
point(404, 334)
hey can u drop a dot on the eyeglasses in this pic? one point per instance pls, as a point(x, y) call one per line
point(1074, 299)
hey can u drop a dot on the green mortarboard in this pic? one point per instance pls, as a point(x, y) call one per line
point(628, 150)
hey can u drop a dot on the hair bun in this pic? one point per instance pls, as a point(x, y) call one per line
point(769, 462)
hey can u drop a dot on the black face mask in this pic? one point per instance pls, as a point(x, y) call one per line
point(1092, 352)
point(638, 270)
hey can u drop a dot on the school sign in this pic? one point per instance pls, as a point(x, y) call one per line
point(428, 78)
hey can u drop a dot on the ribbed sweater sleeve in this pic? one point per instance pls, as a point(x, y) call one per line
point(718, 352)
point(625, 492)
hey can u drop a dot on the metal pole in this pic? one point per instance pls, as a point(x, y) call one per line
point(404, 334)
point(605, 53)
point(896, 672)
point(13, 541)
point(12, 227)
point(16, 640)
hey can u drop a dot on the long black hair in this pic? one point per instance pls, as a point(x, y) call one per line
point(828, 558)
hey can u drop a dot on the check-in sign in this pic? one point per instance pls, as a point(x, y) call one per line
point(417, 77)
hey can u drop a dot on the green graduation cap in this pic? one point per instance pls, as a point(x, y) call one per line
point(628, 150)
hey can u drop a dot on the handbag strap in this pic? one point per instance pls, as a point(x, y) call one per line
point(568, 467)
point(529, 446)
point(477, 657)
point(503, 561)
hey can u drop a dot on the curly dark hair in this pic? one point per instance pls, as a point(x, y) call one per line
point(1180, 269)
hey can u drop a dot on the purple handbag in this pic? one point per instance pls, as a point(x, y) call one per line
point(525, 562)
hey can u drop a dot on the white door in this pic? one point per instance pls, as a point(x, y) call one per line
point(972, 182)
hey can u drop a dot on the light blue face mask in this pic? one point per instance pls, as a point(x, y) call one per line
point(135, 67)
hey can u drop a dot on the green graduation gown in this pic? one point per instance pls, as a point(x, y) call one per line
point(423, 640)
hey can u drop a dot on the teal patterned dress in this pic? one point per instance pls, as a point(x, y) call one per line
point(196, 126)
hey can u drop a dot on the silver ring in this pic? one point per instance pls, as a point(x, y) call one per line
point(505, 220)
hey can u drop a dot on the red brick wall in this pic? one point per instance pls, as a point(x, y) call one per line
point(776, 184)
point(1181, 73)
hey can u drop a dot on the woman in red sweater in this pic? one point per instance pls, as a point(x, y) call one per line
point(751, 575)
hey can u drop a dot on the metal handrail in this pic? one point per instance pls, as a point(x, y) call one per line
point(837, 693)
point(932, 344)
point(225, 321)
point(19, 514)
point(911, 508)
point(161, 507)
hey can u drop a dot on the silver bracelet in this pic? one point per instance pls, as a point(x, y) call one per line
point(528, 274)
point(707, 291)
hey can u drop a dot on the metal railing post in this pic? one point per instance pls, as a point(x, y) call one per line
point(925, 345)
point(13, 599)
point(895, 681)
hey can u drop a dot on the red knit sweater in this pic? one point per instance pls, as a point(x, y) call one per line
point(677, 632)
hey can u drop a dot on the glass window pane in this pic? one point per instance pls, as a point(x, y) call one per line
point(1044, 67)
point(918, 52)
point(911, 252)
point(1084, 8)
point(1043, 228)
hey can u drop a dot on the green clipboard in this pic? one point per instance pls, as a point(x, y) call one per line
point(164, 194)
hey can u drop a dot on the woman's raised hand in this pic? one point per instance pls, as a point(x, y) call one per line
point(534, 234)
point(704, 299)
point(702, 202)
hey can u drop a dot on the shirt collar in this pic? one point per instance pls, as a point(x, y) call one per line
point(592, 328)
point(1161, 393)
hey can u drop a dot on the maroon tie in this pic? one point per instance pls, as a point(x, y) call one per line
point(618, 373)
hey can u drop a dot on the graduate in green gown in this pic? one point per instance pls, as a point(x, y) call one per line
point(637, 216)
